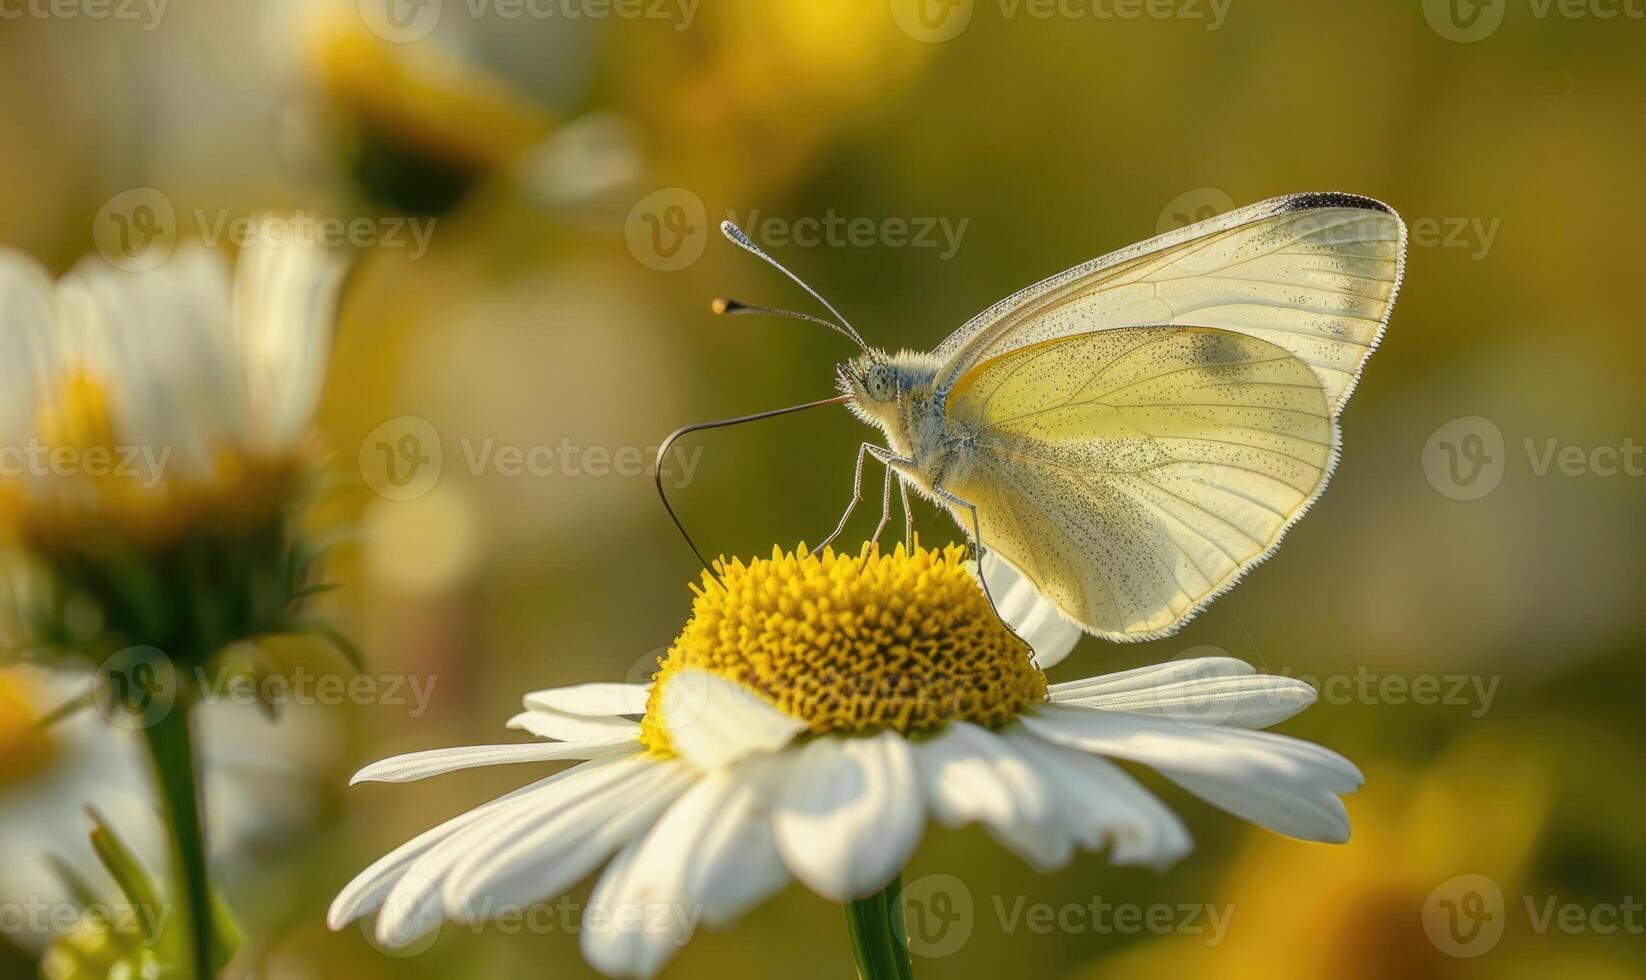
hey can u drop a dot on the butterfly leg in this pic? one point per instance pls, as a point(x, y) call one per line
point(857, 496)
point(978, 551)
point(885, 506)
point(908, 514)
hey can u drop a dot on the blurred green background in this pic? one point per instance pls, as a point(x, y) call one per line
point(1470, 613)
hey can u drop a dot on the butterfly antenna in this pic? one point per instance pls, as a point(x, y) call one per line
point(663, 451)
point(724, 306)
point(744, 242)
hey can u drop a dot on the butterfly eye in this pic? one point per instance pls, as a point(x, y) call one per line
point(879, 383)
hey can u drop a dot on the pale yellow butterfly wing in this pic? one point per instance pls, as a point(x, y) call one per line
point(1315, 274)
point(1134, 474)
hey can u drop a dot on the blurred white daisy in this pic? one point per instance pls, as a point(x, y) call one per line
point(153, 433)
point(212, 377)
point(810, 717)
point(260, 777)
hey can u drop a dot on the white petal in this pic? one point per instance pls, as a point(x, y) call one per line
point(433, 762)
point(850, 814)
point(1154, 675)
point(592, 700)
point(574, 728)
point(713, 722)
point(739, 865)
point(566, 840)
point(1105, 805)
point(161, 342)
point(1282, 783)
point(1314, 816)
point(413, 906)
point(367, 890)
point(972, 775)
point(26, 355)
point(1250, 701)
point(1034, 617)
point(647, 904)
point(285, 299)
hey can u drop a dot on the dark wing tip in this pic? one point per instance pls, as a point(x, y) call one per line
point(1317, 200)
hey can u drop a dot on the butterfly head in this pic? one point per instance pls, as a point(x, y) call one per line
point(871, 379)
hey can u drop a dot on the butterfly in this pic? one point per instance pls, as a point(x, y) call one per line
point(1132, 436)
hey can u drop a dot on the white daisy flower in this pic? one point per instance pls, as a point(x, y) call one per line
point(812, 715)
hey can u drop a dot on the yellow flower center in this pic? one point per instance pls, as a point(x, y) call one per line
point(901, 640)
point(83, 483)
point(25, 748)
point(78, 416)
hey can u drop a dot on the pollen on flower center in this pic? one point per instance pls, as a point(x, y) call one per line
point(901, 640)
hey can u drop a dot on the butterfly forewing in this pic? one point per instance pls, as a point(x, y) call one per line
point(1315, 274)
point(1132, 474)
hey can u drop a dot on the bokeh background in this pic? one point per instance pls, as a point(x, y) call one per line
point(1465, 595)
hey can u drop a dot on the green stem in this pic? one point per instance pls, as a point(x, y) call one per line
point(876, 928)
point(171, 751)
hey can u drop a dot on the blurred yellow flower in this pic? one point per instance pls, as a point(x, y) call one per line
point(756, 96)
point(417, 124)
point(1384, 906)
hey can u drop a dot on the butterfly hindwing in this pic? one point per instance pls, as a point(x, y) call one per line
point(1133, 474)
